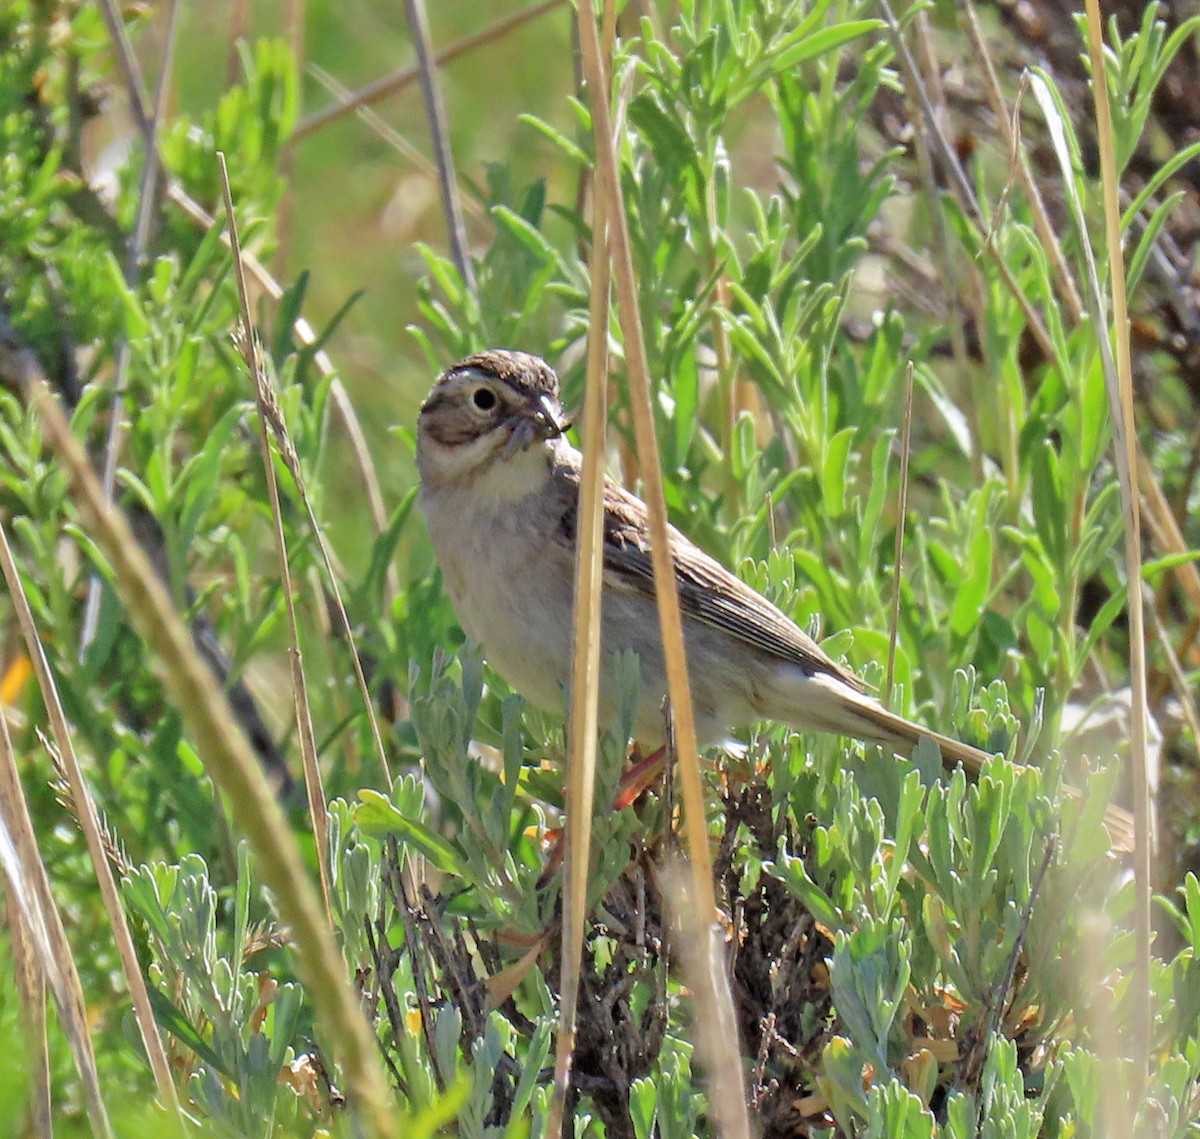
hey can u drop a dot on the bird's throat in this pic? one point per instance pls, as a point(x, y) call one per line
point(478, 473)
point(506, 481)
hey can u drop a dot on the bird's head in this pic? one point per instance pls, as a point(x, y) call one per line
point(488, 408)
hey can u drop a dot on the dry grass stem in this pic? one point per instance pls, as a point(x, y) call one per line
point(713, 997)
point(293, 32)
point(1012, 139)
point(229, 760)
point(114, 850)
point(135, 247)
point(960, 184)
point(29, 888)
point(439, 133)
point(239, 26)
point(1095, 935)
point(1033, 194)
point(340, 398)
point(585, 670)
point(1164, 528)
point(916, 97)
point(30, 983)
point(1177, 678)
point(89, 823)
point(318, 608)
point(912, 78)
point(902, 517)
point(264, 398)
point(731, 401)
point(1119, 382)
point(294, 12)
point(388, 133)
point(287, 452)
point(131, 74)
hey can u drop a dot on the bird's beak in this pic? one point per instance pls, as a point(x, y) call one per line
point(549, 417)
point(544, 419)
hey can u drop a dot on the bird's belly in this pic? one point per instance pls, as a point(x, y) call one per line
point(723, 676)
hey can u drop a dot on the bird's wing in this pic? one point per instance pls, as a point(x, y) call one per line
point(708, 592)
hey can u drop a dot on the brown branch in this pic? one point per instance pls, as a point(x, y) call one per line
point(439, 133)
point(407, 76)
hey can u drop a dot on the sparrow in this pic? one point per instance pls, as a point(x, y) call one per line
point(499, 489)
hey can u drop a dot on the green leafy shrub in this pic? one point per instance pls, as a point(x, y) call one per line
point(910, 954)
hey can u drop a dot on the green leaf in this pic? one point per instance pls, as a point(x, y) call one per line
point(383, 549)
point(686, 390)
point(170, 1018)
point(560, 140)
point(822, 42)
point(835, 472)
point(793, 874)
point(137, 324)
point(877, 494)
point(1149, 240)
point(1093, 416)
point(1191, 908)
point(376, 816)
point(970, 597)
point(1163, 174)
point(526, 234)
point(1154, 568)
point(1049, 503)
point(442, 270)
point(309, 351)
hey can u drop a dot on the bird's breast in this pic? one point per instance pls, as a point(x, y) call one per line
point(511, 587)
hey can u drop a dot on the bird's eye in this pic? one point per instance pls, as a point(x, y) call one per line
point(484, 399)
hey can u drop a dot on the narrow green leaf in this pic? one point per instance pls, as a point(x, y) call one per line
point(170, 1018)
point(557, 138)
point(376, 816)
point(525, 233)
point(822, 42)
point(835, 473)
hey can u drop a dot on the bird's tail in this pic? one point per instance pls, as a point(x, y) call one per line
point(853, 713)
